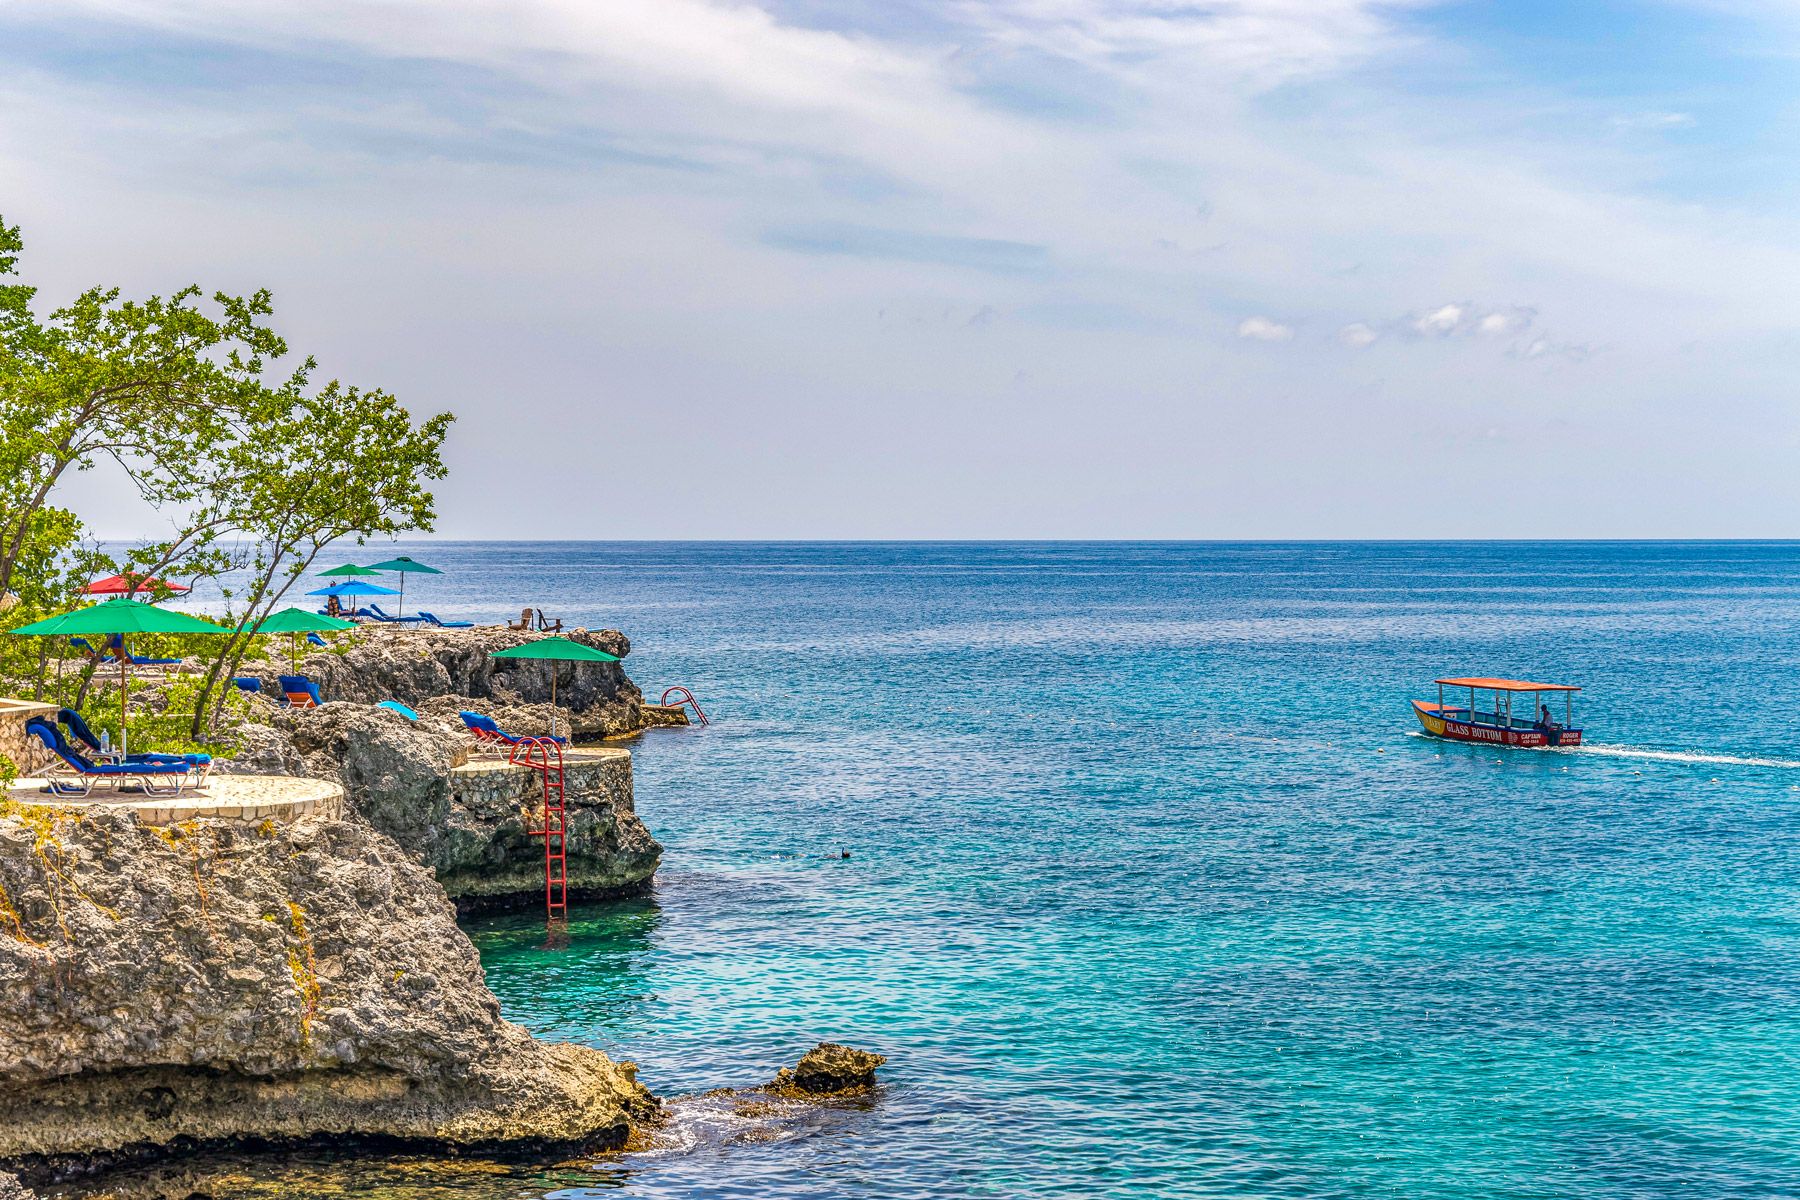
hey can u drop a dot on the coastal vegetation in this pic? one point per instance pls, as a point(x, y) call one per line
point(251, 469)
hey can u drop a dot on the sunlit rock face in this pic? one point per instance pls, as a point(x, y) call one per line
point(214, 981)
point(466, 815)
point(447, 669)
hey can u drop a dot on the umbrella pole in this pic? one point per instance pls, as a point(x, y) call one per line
point(294, 657)
point(402, 603)
point(552, 699)
point(124, 653)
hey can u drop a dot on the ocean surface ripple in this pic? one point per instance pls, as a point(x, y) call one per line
point(1153, 892)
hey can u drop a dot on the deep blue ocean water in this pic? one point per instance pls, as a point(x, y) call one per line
point(1155, 891)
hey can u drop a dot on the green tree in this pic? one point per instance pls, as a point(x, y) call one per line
point(343, 464)
point(253, 473)
point(156, 386)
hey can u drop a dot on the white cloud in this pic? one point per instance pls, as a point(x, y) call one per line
point(1505, 322)
point(1655, 121)
point(1463, 319)
point(513, 160)
point(1440, 322)
point(1261, 42)
point(1263, 329)
point(1543, 347)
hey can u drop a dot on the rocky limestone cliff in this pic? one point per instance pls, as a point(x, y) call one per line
point(446, 669)
point(211, 982)
point(465, 819)
point(840, 1087)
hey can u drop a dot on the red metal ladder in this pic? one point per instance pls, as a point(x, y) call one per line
point(683, 697)
point(545, 757)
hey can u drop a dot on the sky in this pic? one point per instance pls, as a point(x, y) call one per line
point(963, 269)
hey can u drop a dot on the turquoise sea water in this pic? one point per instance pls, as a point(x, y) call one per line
point(1154, 891)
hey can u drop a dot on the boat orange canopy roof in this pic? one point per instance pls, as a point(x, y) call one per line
point(1507, 685)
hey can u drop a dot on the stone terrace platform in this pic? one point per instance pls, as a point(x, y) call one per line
point(249, 798)
point(487, 768)
point(485, 760)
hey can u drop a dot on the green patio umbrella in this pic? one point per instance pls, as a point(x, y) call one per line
point(350, 569)
point(556, 649)
point(296, 621)
point(404, 564)
point(124, 617)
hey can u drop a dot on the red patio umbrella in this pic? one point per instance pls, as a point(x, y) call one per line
point(119, 585)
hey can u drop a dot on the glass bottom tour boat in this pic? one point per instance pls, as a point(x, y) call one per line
point(1498, 714)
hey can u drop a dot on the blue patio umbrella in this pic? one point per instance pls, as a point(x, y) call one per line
point(353, 588)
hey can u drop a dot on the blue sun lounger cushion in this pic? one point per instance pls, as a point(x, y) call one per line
point(434, 619)
point(398, 707)
point(486, 729)
point(116, 644)
point(375, 611)
point(78, 729)
point(160, 775)
point(300, 692)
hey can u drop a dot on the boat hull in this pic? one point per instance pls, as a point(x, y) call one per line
point(1453, 724)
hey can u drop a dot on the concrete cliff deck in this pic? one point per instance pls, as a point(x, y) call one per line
point(579, 763)
point(251, 798)
point(486, 853)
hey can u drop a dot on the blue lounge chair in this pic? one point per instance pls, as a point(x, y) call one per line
point(400, 708)
point(313, 639)
point(78, 730)
point(300, 692)
point(74, 774)
point(111, 653)
point(374, 610)
point(434, 619)
point(116, 644)
point(247, 683)
point(487, 730)
point(81, 736)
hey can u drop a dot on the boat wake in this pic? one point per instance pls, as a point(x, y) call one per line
point(1683, 756)
point(1672, 756)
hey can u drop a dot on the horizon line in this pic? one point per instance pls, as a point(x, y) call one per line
point(1063, 541)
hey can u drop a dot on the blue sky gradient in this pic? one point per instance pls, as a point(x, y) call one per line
point(946, 268)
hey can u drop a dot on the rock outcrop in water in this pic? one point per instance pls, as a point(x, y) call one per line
point(413, 782)
point(210, 982)
point(829, 1069)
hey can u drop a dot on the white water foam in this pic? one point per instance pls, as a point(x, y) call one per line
point(1683, 756)
point(1675, 756)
